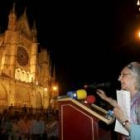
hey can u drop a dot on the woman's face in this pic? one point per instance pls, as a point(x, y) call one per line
point(127, 80)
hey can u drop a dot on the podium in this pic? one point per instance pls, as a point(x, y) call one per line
point(78, 122)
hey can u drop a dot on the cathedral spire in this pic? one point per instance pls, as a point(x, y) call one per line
point(23, 24)
point(12, 19)
point(25, 12)
point(13, 9)
point(34, 32)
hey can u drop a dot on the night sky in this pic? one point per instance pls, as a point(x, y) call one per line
point(88, 41)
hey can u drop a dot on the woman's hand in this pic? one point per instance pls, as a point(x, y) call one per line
point(119, 114)
point(102, 94)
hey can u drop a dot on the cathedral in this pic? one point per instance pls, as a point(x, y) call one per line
point(26, 74)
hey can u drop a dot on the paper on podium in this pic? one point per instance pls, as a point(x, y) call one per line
point(123, 99)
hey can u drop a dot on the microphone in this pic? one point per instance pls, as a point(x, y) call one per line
point(80, 94)
point(90, 99)
point(100, 85)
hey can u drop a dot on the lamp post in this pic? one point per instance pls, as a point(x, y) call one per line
point(45, 97)
point(54, 93)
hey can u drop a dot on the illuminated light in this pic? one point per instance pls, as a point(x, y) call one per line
point(139, 34)
point(138, 3)
point(45, 89)
point(75, 96)
point(36, 83)
point(55, 88)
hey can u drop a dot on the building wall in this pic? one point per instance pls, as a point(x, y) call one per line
point(25, 73)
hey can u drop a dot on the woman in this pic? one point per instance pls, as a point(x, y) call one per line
point(130, 81)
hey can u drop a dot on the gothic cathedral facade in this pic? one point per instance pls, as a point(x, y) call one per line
point(26, 75)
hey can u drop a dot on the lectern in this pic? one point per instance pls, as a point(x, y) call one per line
point(79, 122)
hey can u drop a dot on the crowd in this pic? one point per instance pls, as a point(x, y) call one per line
point(20, 125)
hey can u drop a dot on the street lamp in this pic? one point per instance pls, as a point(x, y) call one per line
point(54, 93)
point(55, 88)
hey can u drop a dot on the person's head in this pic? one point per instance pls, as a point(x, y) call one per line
point(130, 77)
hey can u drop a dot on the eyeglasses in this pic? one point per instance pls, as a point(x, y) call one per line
point(124, 74)
point(130, 66)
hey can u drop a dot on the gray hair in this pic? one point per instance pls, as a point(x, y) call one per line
point(135, 68)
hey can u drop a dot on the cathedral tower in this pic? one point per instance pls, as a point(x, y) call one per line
point(25, 75)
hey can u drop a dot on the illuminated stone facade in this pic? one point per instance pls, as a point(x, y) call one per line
point(26, 74)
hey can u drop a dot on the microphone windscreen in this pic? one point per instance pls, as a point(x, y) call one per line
point(81, 94)
point(90, 99)
point(71, 93)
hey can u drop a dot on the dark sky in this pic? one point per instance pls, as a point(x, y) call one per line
point(89, 41)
